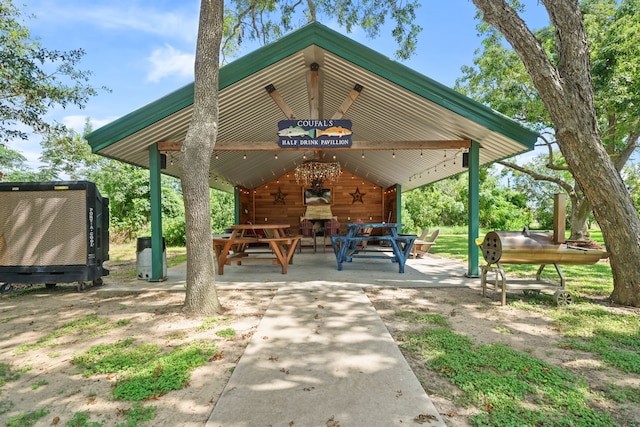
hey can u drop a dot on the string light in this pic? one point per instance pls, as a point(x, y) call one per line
point(393, 154)
point(244, 157)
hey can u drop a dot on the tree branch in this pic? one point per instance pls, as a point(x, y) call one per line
point(503, 17)
point(623, 157)
point(540, 177)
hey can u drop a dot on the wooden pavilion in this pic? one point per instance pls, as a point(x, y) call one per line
point(406, 131)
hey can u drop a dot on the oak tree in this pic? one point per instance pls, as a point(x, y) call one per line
point(565, 85)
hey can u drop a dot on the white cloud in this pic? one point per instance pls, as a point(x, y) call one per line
point(77, 122)
point(168, 61)
point(181, 22)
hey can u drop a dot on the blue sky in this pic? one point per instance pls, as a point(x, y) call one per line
point(142, 49)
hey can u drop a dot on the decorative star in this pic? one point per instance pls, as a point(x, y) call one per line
point(357, 196)
point(278, 198)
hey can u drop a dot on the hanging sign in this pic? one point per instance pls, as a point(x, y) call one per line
point(314, 133)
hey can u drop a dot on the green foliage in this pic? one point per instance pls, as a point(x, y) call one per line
point(138, 415)
point(127, 188)
point(114, 357)
point(26, 420)
point(623, 394)
point(499, 79)
point(432, 319)
point(34, 79)
point(39, 384)
point(6, 374)
point(614, 337)
point(143, 370)
point(266, 21)
point(68, 154)
point(631, 175)
point(510, 388)
point(445, 202)
point(88, 325)
point(222, 213)
point(82, 419)
point(168, 372)
point(208, 323)
point(227, 333)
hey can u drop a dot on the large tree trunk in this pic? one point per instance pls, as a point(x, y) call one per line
point(201, 297)
point(579, 218)
point(567, 93)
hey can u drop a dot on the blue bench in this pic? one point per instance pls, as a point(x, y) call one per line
point(345, 246)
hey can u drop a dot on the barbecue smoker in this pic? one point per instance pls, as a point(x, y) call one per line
point(513, 247)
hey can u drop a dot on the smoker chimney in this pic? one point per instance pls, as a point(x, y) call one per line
point(559, 217)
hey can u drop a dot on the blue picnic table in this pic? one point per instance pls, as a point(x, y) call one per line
point(345, 246)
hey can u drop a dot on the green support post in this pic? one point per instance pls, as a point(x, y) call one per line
point(236, 205)
point(399, 204)
point(156, 215)
point(474, 208)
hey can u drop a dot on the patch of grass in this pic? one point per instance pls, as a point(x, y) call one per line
point(115, 357)
point(413, 317)
point(176, 259)
point(510, 388)
point(613, 337)
point(89, 325)
point(138, 415)
point(39, 384)
point(170, 371)
point(208, 323)
point(623, 394)
point(503, 329)
point(82, 419)
point(227, 333)
point(7, 374)
point(26, 420)
point(143, 370)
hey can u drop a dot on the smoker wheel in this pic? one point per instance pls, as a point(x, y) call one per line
point(562, 298)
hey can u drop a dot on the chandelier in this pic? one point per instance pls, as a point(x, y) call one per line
point(315, 172)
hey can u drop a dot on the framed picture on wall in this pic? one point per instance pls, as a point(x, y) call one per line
point(317, 197)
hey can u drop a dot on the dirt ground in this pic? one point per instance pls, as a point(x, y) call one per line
point(48, 380)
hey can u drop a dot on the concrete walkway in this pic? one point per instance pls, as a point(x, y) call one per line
point(321, 355)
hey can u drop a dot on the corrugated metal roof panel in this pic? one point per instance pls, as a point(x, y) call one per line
point(396, 104)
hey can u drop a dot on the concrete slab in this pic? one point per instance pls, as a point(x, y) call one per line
point(322, 356)
point(309, 268)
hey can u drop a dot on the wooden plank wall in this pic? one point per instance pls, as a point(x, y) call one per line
point(281, 201)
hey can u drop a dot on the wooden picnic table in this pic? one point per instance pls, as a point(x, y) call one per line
point(345, 246)
point(239, 246)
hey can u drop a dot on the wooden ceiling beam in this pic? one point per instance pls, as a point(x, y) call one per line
point(167, 146)
point(348, 102)
point(314, 92)
point(273, 92)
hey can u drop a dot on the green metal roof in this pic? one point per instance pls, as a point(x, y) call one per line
point(396, 104)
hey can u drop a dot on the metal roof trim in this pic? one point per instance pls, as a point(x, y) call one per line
point(339, 45)
point(141, 118)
